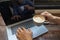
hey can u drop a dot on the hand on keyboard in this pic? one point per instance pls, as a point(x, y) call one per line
point(23, 34)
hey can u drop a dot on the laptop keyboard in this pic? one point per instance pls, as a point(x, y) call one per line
point(27, 24)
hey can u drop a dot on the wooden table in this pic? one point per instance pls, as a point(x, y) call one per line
point(52, 34)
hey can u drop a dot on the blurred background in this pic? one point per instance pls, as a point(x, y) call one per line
point(52, 6)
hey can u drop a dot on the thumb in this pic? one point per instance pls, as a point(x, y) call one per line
point(45, 14)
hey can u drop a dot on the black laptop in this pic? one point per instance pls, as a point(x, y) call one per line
point(7, 14)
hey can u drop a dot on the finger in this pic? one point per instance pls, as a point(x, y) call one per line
point(18, 36)
point(20, 29)
point(24, 29)
point(18, 32)
point(44, 13)
point(29, 30)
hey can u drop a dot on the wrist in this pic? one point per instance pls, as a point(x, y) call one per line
point(54, 17)
point(55, 20)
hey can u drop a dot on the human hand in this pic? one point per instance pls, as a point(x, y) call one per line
point(16, 17)
point(48, 16)
point(24, 34)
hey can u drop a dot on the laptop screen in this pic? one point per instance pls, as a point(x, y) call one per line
point(9, 21)
point(7, 14)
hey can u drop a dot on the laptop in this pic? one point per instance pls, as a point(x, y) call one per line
point(27, 23)
point(12, 26)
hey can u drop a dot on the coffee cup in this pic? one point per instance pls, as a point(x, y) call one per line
point(38, 20)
